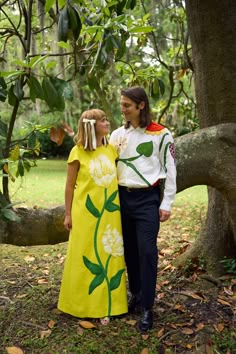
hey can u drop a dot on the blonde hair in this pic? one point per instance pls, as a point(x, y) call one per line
point(84, 134)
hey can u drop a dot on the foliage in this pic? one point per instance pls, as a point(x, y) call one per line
point(6, 212)
point(229, 265)
point(99, 47)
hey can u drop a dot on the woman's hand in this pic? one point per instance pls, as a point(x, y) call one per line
point(67, 222)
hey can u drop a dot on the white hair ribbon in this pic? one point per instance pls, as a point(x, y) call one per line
point(94, 140)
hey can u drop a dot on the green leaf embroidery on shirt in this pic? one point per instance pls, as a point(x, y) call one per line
point(162, 141)
point(165, 155)
point(145, 149)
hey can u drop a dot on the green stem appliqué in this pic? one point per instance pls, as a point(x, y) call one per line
point(100, 271)
point(143, 149)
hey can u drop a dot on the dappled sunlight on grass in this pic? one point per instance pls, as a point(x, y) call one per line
point(187, 217)
point(42, 187)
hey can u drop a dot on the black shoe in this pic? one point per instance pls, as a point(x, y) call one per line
point(146, 320)
point(134, 303)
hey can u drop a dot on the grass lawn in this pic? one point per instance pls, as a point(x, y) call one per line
point(43, 186)
point(190, 316)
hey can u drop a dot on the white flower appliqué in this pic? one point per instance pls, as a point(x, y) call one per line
point(120, 144)
point(102, 171)
point(113, 242)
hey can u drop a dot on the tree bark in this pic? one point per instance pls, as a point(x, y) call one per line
point(212, 26)
point(37, 227)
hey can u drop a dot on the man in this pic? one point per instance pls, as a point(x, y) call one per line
point(146, 155)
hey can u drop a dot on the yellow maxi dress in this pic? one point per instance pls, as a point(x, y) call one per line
point(93, 282)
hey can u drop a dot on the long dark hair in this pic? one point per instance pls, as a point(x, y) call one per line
point(138, 95)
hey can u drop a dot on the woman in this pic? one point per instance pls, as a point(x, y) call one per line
point(93, 283)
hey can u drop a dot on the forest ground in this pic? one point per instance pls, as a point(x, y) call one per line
point(193, 312)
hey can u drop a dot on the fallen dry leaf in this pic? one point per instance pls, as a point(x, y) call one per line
point(223, 302)
point(14, 350)
point(145, 336)
point(51, 324)
point(45, 334)
point(21, 296)
point(228, 291)
point(160, 332)
point(187, 331)
point(219, 327)
point(180, 307)
point(199, 327)
point(184, 324)
point(209, 349)
point(189, 346)
point(42, 281)
point(131, 322)
point(87, 324)
point(29, 259)
point(144, 351)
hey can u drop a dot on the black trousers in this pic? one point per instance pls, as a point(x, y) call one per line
point(140, 225)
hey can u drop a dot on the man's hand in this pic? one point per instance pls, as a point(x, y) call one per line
point(164, 215)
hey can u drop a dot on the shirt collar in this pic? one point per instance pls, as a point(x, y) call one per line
point(138, 129)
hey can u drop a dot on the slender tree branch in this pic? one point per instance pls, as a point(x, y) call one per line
point(29, 23)
point(50, 54)
point(172, 85)
point(186, 56)
point(15, 28)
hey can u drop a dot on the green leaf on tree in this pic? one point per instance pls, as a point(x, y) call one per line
point(18, 90)
point(9, 215)
point(3, 128)
point(21, 169)
point(36, 90)
point(11, 96)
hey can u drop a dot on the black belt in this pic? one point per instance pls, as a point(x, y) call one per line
point(144, 189)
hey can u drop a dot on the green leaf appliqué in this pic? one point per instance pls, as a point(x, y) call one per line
point(98, 279)
point(93, 267)
point(116, 279)
point(110, 206)
point(145, 149)
point(91, 208)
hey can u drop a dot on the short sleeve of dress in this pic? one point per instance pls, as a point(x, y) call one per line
point(74, 154)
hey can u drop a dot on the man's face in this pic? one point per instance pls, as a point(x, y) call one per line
point(130, 109)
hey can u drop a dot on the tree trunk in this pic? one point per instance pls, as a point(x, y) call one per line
point(37, 227)
point(212, 27)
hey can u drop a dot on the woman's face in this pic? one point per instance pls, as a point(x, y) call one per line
point(102, 127)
